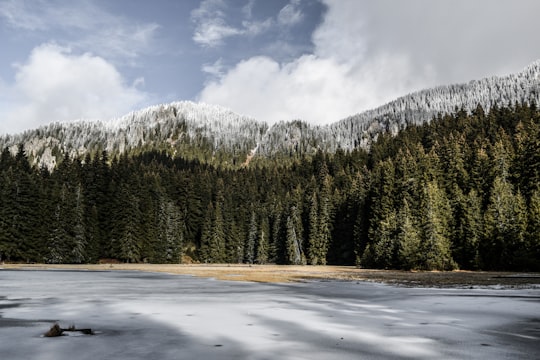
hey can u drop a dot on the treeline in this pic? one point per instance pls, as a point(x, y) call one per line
point(460, 192)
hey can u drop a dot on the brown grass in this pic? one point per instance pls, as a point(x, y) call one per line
point(283, 273)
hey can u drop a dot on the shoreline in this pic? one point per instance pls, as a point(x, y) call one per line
point(298, 273)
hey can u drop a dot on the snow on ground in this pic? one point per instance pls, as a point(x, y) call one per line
point(158, 316)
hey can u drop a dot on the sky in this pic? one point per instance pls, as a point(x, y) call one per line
point(314, 60)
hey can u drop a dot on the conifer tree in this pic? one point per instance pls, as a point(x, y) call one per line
point(360, 197)
point(294, 250)
point(526, 167)
point(409, 241)
point(313, 229)
point(218, 238)
point(263, 241)
point(277, 244)
point(126, 241)
point(505, 226)
point(59, 239)
point(532, 256)
point(382, 251)
point(205, 251)
point(171, 232)
point(471, 229)
point(325, 222)
point(436, 246)
point(249, 256)
point(80, 241)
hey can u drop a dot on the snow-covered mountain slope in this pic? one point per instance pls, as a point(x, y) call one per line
point(177, 127)
point(422, 106)
point(361, 130)
point(221, 135)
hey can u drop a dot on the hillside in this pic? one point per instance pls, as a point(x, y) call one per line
point(219, 136)
point(462, 191)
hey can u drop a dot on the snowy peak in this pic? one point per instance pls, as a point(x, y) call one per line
point(180, 127)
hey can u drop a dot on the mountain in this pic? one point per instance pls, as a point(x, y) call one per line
point(217, 135)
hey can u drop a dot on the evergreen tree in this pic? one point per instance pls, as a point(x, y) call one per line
point(217, 252)
point(325, 223)
point(531, 259)
point(263, 241)
point(409, 248)
point(436, 246)
point(294, 250)
point(314, 235)
point(205, 249)
point(126, 241)
point(526, 167)
point(170, 233)
point(80, 241)
point(251, 239)
point(382, 251)
point(60, 240)
point(470, 233)
point(505, 226)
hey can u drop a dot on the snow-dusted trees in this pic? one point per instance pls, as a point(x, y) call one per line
point(216, 135)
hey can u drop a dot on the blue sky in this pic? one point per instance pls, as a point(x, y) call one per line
point(316, 60)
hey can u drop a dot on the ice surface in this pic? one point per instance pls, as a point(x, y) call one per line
point(158, 316)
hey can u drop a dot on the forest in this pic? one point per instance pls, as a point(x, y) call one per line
point(459, 192)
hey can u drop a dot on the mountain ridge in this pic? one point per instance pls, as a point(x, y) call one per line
point(219, 135)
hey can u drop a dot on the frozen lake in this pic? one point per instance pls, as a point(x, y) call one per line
point(140, 315)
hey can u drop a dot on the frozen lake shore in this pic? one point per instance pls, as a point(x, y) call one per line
point(140, 315)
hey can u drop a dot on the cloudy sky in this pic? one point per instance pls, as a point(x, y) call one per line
point(316, 60)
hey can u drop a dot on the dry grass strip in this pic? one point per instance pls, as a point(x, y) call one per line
point(290, 273)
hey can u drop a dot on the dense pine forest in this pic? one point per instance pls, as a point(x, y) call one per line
point(462, 191)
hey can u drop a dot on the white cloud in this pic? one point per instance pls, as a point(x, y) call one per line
point(16, 15)
point(367, 53)
point(211, 27)
point(336, 81)
point(290, 14)
point(101, 32)
point(120, 40)
point(211, 32)
point(55, 85)
point(216, 69)
point(253, 28)
point(311, 88)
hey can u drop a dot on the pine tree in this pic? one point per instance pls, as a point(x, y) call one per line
point(531, 260)
point(436, 246)
point(213, 233)
point(59, 239)
point(505, 226)
point(263, 241)
point(526, 167)
point(205, 253)
point(126, 241)
point(471, 232)
point(251, 242)
point(80, 241)
point(325, 222)
point(360, 228)
point(409, 241)
point(382, 251)
point(217, 248)
point(313, 236)
point(294, 250)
